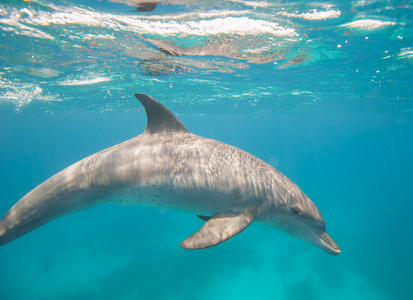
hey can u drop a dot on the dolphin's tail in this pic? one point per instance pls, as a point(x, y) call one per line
point(8, 228)
point(4, 236)
point(22, 218)
point(32, 212)
point(58, 196)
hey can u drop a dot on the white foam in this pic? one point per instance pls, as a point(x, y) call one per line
point(213, 24)
point(22, 94)
point(24, 29)
point(253, 3)
point(313, 15)
point(87, 37)
point(406, 53)
point(368, 24)
point(85, 81)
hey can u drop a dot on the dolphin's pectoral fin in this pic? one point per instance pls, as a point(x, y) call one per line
point(219, 228)
point(203, 218)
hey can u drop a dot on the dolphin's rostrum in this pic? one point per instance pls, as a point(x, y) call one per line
point(167, 166)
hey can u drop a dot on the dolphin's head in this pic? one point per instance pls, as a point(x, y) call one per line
point(300, 218)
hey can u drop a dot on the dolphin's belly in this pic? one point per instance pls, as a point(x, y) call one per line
point(170, 196)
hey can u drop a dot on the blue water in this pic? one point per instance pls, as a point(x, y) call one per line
point(321, 91)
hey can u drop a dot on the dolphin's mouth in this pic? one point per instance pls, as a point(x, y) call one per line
point(327, 242)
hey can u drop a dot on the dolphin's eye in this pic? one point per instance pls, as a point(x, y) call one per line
point(295, 211)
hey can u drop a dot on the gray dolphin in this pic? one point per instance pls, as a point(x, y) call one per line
point(167, 166)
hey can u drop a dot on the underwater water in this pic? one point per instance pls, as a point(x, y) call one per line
point(322, 91)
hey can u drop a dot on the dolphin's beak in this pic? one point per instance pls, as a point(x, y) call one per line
point(328, 244)
point(322, 240)
point(319, 238)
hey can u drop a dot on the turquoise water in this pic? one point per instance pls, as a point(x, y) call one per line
point(321, 91)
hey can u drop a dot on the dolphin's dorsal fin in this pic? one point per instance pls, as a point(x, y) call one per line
point(203, 218)
point(160, 119)
point(219, 228)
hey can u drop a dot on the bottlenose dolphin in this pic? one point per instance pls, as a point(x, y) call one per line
point(167, 166)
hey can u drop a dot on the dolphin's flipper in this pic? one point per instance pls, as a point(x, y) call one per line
point(219, 228)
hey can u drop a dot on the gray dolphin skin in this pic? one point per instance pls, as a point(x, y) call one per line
point(167, 166)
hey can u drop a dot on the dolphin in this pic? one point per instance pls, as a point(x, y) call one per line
point(167, 166)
